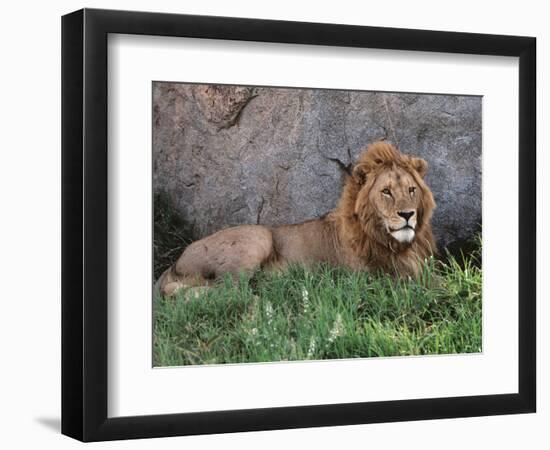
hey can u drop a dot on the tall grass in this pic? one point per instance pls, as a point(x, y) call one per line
point(323, 313)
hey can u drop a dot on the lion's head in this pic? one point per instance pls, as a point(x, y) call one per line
point(392, 195)
point(387, 202)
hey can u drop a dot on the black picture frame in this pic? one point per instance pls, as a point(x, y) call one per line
point(84, 224)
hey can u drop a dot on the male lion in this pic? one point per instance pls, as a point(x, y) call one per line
point(381, 223)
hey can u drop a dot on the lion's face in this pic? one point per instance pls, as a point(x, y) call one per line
point(393, 202)
point(395, 196)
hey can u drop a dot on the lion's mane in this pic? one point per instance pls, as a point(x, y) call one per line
point(357, 221)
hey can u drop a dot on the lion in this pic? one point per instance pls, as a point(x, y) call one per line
point(380, 224)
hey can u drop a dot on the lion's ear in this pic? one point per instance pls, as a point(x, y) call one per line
point(420, 165)
point(359, 172)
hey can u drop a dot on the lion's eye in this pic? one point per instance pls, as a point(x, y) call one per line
point(386, 191)
point(412, 190)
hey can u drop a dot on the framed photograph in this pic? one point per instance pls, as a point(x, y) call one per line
point(273, 224)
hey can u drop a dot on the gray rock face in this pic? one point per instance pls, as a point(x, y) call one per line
point(229, 155)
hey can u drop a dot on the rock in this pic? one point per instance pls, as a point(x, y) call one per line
point(228, 155)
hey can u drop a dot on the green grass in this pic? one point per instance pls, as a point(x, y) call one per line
point(323, 314)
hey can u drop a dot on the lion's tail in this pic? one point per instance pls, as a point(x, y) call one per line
point(169, 282)
point(157, 287)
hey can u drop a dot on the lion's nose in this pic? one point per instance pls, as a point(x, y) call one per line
point(405, 214)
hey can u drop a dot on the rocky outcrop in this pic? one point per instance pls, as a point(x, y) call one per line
point(229, 155)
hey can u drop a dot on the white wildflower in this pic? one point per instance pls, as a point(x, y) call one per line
point(268, 312)
point(292, 348)
point(253, 309)
point(192, 293)
point(305, 299)
point(312, 347)
point(253, 331)
point(337, 329)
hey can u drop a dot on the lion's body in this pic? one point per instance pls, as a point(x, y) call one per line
point(365, 232)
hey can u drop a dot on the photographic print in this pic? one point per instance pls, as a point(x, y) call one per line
point(257, 219)
point(295, 224)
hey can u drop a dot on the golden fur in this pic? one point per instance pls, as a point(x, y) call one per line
point(381, 223)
